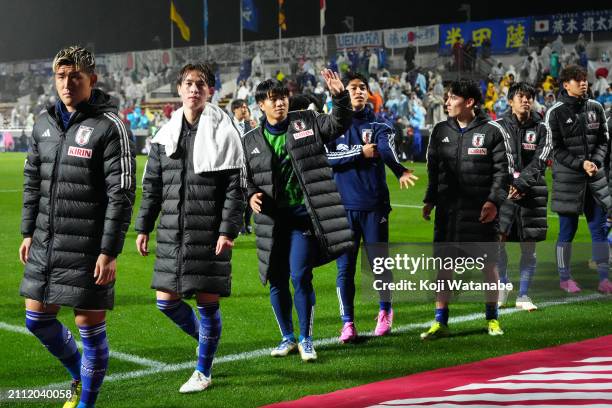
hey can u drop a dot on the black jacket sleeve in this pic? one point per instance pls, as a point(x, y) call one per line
point(338, 121)
point(152, 186)
point(532, 171)
point(431, 195)
point(233, 206)
point(501, 176)
point(120, 178)
point(599, 153)
point(250, 185)
point(31, 188)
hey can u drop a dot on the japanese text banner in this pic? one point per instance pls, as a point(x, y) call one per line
point(506, 36)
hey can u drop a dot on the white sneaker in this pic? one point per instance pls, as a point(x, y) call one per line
point(525, 303)
point(198, 382)
point(502, 298)
point(307, 351)
point(284, 348)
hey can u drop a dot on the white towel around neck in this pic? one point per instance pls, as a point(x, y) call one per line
point(217, 145)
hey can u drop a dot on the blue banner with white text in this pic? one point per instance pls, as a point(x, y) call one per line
point(573, 23)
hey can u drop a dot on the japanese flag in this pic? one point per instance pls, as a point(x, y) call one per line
point(541, 26)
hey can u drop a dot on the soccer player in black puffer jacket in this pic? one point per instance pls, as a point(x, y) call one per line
point(300, 222)
point(77, 201)
point(522, 217)
point(193, 179)
point(467, 166)
point(579, 133)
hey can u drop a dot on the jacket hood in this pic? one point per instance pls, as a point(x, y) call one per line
point(570, 100)
point(99, 103)
point(533, 119)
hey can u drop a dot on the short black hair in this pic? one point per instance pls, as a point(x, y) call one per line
point(466, 89)
point(270, 88)
point(351, 75)
point(522, 88)
point(572, 71)
point(203, 67)
point(237, 104)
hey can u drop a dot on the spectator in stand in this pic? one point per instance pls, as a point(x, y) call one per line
point(436, 104)
point(421, 82)
point(343, 62)
point(409, 55)
point(417, 122)
point(507, 82)
point(486, 48)
point(470, 56)
point(601, 83)
point(549, 100)
point(497, 72)
point(373, 63)
point(545, 57)
point(501, 106)
point(555, 64)
point(458, 56)
point(557, 45)
point(167, 110)
point(549, 84)
point(581, 45)
point(490, 97)
point(376, 100)
point(606, 98)
point(333, 65)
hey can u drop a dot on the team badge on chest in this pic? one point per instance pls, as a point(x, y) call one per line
point(592, 116)
point(300, 130)
point(366, 136)
point(299, 125)
point(478, 139)
point(592, 122)
point(478, 142)
point(530, 136)
point(82, 135)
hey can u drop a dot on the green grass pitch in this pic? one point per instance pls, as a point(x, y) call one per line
point(157, 357)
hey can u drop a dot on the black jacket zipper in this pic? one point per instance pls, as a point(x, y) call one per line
point(52, 198)
point(179, 256)
point(315, 220)
point(455, 205)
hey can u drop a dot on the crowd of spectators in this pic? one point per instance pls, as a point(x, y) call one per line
point(411, 101)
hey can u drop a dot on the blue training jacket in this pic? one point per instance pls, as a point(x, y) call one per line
point(361, 182)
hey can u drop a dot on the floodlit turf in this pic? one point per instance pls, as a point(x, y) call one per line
point(137, 328)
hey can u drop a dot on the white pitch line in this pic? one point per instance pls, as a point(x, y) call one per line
point(11, 191)
point(115, 354)
point(248, 355)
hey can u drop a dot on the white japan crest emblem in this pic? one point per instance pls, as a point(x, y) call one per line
point(299, 125)
point(82, 135)
point(530, 136)
point(478, 139)
point(366, 136)
point(591, 116)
